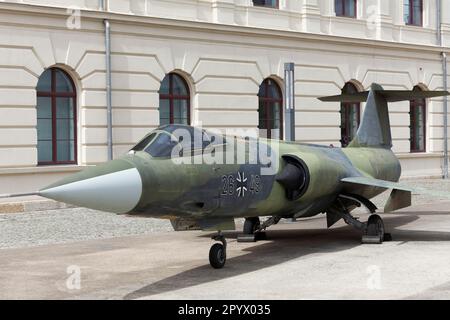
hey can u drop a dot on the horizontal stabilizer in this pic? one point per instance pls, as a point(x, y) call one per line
point(401, 194)
point(389, 95)
point(377, 183)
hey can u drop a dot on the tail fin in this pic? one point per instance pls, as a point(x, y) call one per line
point(375, 128)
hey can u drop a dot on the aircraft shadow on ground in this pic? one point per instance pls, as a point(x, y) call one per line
point(285, 245)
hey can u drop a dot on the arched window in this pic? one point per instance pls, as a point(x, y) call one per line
point(56, 118)
point(270, 110)
point(174, 101)
point(350, 116)
point(417, 116)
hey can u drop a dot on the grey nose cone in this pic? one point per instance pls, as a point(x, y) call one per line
point(113, 187)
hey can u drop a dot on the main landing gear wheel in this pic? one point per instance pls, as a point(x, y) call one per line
point(251, 225)
point(218, 252)
point(374, 231)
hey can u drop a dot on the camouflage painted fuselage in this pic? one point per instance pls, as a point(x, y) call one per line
point(203, 191)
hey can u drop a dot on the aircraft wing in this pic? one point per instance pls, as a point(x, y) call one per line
point(401, 194)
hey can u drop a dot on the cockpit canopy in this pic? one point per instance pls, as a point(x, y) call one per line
point(177, 140)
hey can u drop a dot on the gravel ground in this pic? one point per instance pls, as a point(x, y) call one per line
point(69, 225)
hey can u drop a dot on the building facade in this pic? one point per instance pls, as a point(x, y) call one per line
point(215, 63)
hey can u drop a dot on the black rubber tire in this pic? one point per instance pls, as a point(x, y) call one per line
point(387, 237)
point(217, 256)
point(375, 227)
point(250, 225)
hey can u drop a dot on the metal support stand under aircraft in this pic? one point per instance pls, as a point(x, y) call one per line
point(253, 229)
point(373, 230)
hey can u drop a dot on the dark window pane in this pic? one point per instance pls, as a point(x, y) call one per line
point(179, 86)
point(350, 8)
point(164, 108)
point(418, 124)
point(64, 108)
point(262, 110)
point(353, 120)
point(45, 151)
point(180, 111)
point(165, 85)
point(345, 8)
point(65, 150)
point(63, 83)
point(64, 129)
point(266, 3)
point(339, 7)
point(45, 81)
point(44, 129)
point(44, 108)
point(417, 12)
point(274, 90)
point(276, 113)
point(406, 11)
point(262, 123)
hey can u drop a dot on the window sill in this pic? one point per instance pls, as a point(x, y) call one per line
point(264, 7)
point(346, 17)
point(418, 155)
point(42, 169)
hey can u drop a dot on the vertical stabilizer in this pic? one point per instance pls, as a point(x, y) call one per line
point(375, 128)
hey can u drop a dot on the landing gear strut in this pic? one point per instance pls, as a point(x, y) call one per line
point(254, 230)
point(218, 252)
point(373, 231)
point(251, 225)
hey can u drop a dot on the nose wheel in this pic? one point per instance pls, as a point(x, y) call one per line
point(218, 252)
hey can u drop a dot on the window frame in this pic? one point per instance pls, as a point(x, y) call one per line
point(172, 97)
point(277, 6)
point(418, 103)
point(345, 107)
point(267, 101)
point(345, 15)
point(411, 19)
point(53, 94)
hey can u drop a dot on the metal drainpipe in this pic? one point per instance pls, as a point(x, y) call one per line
point(445, 84)
point(108, 81)
point(444, 70)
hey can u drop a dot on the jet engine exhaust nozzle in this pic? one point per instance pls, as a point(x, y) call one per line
point(294, 178)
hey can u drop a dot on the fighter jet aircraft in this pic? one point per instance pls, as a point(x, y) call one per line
point(201, 182)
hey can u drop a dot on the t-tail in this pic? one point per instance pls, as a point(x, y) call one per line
point(375, 128)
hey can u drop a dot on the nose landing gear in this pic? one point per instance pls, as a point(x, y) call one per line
point(218, 252)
